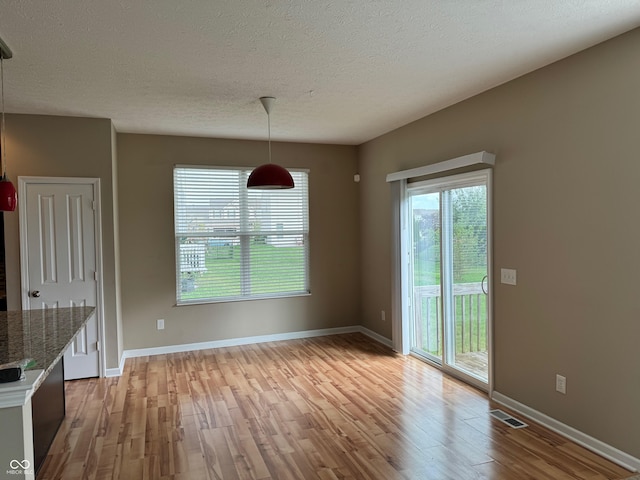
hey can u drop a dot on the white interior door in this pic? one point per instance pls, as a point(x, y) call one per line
point(59, 267)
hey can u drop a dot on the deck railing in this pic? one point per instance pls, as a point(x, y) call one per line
point(470, 312)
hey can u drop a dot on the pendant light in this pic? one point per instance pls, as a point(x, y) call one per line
point(8, 194)
point(269, 176)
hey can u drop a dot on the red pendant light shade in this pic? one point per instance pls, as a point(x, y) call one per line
point(269, 176)
point(8, 195)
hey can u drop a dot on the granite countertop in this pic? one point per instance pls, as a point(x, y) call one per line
point(42, 335)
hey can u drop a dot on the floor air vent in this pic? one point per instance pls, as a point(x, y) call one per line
point(508, 419)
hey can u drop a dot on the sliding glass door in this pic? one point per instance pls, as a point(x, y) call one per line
point(448, 245)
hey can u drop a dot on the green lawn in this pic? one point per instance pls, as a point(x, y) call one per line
point(272, 270)
point(429, 274)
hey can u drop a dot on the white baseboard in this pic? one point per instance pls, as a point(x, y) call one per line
point(604, 450)
point(375, 336)
point(112, 372)
point(233, 342)
point(115, 372)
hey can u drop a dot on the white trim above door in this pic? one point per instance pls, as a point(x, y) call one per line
point(477, 158)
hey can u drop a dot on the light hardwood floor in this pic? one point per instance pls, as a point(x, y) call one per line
point(337, 407)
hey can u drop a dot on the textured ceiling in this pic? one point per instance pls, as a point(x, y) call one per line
point(343, 71)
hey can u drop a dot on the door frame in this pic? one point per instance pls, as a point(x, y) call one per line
point(23, 182)
point(407, 307)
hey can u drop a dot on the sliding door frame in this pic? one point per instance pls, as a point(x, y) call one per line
point(407, 307)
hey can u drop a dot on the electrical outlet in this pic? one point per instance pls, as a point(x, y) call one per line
point(160, 324)
point(561, 384)
point(508, 276)
point(383, 316)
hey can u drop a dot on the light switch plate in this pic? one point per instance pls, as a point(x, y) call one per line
point(508, 276)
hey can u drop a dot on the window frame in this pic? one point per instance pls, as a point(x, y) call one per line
point(244, 240)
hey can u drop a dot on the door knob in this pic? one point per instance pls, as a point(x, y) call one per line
point(35, 293)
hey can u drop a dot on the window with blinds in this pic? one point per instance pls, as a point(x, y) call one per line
point(233, 243)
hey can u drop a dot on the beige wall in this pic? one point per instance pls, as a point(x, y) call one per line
point(147, 242)
point(39, 145)
point(565, 216)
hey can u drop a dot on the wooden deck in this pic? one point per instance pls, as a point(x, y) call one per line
point(324, 408)
point(475, 363)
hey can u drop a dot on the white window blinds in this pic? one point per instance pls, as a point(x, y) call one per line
point(233, 243)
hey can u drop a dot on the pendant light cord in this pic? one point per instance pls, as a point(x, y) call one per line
point(3, 142)
point(268, 129)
